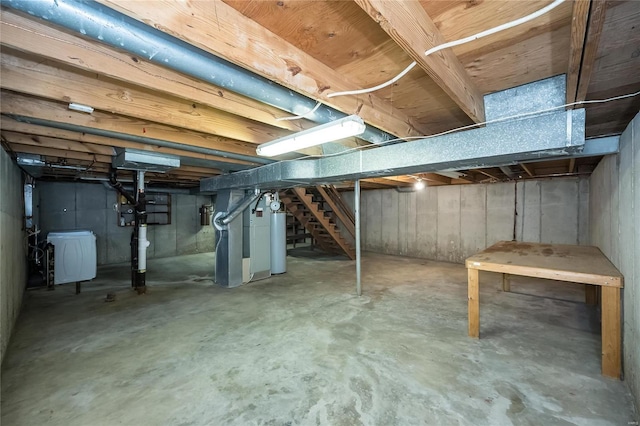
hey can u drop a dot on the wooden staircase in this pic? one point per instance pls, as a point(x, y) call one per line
point(307, 206)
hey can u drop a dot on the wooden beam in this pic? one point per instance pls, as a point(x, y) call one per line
point(60, 153)
point(45, 80)
point(8, 124)
point(578, 33)
point(223, 31)
point(594, 30)
point(27, 106)
point(29, 36)
point(408, 24)
point(61, 144)
point(528, 169)
point(572, 165)
point(434, 177)
point(388, 182)
point(461, 182)
point(486, 174)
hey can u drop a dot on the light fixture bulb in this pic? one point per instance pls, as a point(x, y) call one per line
point(332, 131)
point(419, 185)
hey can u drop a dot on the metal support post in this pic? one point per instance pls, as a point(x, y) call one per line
point(358, 251)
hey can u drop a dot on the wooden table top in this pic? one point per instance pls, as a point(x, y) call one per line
point(582, 264)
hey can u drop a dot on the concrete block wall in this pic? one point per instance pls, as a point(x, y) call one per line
point(13, 263)
point(615, 228)
point(67, 206)
point(451, 223)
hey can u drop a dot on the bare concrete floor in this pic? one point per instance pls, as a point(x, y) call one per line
point(301, 348)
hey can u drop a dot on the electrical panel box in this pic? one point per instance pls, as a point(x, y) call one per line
point(75, 257)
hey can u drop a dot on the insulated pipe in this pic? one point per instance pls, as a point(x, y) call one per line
point(117, 30)
point(222, 219)
point(356, 209)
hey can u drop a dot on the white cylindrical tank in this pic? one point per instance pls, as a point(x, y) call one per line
point(278, 242)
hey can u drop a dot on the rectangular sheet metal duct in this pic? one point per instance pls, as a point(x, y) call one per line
point(133, 159)
point(525, 123)
point(554, 134)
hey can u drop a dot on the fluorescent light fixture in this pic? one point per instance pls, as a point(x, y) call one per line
point(332, 131)
point(419, 185)
point(80, 107)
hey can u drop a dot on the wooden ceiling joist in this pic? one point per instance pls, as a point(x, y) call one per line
point(580, 16)
point(225, 32)
point(32, 37)
point(27, 106)
point(55, 143)
point(412, 29)
point(435, 178)
point(597, 14)
point(45, 80)
point(487, 174)
point(528, 168)
point(62, 148)
point(8, 124)
point(60, 153)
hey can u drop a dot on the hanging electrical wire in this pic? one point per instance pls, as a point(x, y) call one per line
point(433, 50)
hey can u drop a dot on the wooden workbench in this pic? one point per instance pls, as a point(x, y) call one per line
point(579, 264)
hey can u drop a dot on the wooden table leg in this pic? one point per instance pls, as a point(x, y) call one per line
point(506, 282)
point(474, 303)
point(590, 294)
point(611, 339)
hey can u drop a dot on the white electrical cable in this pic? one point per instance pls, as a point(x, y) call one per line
point(497, 29)
point(435, 49)
point(379, 86)
point(298, 117)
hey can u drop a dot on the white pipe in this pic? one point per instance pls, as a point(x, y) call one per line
point(143, 243)
point(140, 181)
point(358, 253)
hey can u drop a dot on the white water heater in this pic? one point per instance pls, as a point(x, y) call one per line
point(75, 257)
point(278, 242)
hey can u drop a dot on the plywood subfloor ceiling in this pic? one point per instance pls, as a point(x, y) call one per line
point(314, 48)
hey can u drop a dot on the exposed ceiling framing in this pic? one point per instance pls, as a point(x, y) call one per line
point(312, 48)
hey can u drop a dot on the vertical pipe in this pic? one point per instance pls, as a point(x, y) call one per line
point(358, 253)
point(143, 243)
point(134, 233)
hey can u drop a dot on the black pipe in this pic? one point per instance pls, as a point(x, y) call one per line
point(134, 235)
point(113, 181)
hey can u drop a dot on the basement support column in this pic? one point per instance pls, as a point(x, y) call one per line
point(356, 204)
